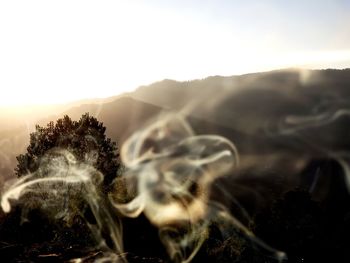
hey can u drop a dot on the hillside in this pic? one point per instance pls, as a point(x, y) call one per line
point(291, 186)
point(256, 111)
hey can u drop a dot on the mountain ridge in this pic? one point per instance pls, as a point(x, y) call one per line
point(245, 108)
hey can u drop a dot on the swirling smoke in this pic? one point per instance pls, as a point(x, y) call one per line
point(168, 177)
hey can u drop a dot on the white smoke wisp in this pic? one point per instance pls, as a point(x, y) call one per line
point(60, 187)
point(323, 117)
point(294, 124)
point(169, 174)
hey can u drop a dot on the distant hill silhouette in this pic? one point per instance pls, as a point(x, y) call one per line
point(120, 116)
point(12, 117)
point(227, 100)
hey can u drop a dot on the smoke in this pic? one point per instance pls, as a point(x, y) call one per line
point(320, 130)
point(169, 173)
point(60, 187)
point(173, 170)
point(173, 176)
point(293, 124)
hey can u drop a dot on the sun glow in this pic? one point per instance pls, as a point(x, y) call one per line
point(55, 52)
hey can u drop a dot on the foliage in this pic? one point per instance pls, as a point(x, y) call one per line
point(52, 217)
point(85, 139)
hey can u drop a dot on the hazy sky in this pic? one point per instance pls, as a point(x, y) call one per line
point(57, 51)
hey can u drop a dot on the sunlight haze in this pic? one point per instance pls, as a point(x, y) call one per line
point(60, 51)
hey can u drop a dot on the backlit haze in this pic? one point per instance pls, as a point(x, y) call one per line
point(61, 51)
